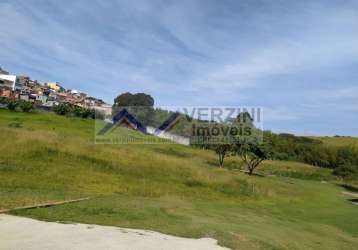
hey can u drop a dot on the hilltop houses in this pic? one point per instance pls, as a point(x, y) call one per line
point(48, 94)
point(55, 86)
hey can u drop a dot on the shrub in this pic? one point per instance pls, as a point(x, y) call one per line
point(12, 104)
point(88, 113)
point(78, 111)
point(346, 171)
point(83, 112)
point(3, 100)
point(26, 106)
point(62, 109)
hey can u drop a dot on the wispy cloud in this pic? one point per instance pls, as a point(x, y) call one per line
point(290, 54)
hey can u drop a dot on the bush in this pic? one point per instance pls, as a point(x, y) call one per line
point(88, 113)
point(78, 111)
point(12, 104)
point(83, 112)
point(3, 100)
point(311, 151)
point(346, 171)
point(62, 109)
point(26, 106)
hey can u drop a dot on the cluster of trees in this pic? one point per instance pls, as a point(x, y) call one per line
point(12, 104)
point(252, 151)
point(67, 109)
point(249, 147)
point(343, 160)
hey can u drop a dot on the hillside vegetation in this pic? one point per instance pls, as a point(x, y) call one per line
point(168, 188)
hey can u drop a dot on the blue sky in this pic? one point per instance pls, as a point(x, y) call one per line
point(296, 59)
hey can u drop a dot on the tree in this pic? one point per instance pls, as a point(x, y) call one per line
point(252, 153)
point(216, 140)
point(129, 99)
point(222, 150)
point(139, 105)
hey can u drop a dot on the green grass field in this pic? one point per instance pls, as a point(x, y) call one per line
point(168, 188)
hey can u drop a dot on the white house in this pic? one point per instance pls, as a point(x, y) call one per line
point(10, 81)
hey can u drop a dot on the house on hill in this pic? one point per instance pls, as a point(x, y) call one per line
point(10, 82)
point(55, 86)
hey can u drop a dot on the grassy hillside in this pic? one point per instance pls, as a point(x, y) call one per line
point(168, 188)
point(339, 141)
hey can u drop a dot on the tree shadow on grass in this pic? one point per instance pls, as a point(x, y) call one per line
point(354, 201)
point(253, 174)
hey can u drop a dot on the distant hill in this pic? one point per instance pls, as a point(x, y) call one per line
point(339, 141)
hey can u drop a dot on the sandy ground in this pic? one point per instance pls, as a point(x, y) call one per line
point(17, 233)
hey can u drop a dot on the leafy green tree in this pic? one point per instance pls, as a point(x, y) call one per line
point(129, 99)
point(140, 105)
point(252, 153)
point(222, 150)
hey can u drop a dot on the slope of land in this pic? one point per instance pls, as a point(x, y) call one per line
point(171, 189)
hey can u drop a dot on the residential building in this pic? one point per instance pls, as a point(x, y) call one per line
point(24, 97)
point(24, 80)
point(11, 82)
point(41, 98)
point(54, 86)
point(50, 103)
point(5, 92)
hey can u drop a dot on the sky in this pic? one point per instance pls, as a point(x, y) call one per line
point(298, 60)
